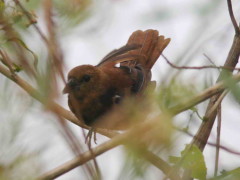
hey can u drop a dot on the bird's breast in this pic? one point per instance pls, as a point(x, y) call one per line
point(94, 105)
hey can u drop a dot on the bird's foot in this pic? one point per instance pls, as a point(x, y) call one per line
point(91, 133)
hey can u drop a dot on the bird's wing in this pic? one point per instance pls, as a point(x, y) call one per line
point(119, 55)
point(143, 48)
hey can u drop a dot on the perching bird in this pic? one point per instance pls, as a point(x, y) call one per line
point(93, 91)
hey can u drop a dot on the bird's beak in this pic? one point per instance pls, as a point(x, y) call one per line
point(72, 83)
point(66, 89)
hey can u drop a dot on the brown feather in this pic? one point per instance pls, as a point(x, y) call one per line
point(117, 52)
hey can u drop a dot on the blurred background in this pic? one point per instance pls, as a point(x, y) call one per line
point(31, 141)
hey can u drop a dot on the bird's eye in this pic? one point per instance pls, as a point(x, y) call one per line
point(72, 82)
point(86, 78)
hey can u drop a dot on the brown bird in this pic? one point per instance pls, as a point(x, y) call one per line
point(93, 91)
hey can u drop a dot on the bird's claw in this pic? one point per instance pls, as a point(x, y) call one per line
point(91, 133)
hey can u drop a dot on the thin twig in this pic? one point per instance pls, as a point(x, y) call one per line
point(234, 22)
point(197, 67)
point(224, 148)
point(6, 61)
point(98, 173)
point(209, 59)
point(217, 103)
point(218, 140)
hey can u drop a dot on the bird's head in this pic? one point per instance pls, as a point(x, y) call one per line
point(82, 80)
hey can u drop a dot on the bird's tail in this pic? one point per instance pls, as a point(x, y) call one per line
point(151, 44)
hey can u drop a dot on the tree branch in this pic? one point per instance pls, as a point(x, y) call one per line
point(201, 138)
point(234, 22)
point(206, 126)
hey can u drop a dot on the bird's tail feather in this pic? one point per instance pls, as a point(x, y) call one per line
point(152, 46)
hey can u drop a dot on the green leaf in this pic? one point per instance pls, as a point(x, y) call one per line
point(2, 6)
point(17, 68)
point(175, 92)
point(233, 85)
point(35, 57)
point(195, 161)
point(192, 159)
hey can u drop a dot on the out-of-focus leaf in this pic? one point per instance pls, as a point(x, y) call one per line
point(35, 58)
point(232, 85)
point(135, 166)
point(192, 159)
point(2, 6)
point(157, 14)
point(17, 68)
point(174, 93)
point(14, 16)
point(206, 8)
point(31, 4)
point(72, 12)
